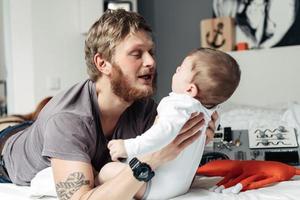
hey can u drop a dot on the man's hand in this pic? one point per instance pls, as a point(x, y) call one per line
point(117, 149)
point(210, 131)
point(188, 134)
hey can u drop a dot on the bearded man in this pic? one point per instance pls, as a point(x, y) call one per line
point(72, 131)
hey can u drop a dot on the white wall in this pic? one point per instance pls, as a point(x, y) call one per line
point(2, 68)
point(269, 76)
point(43, 41)
point(44, 44)
point(58, 45)
point(19, 55)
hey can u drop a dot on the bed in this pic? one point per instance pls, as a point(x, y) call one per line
point(281, 191)
point(238, 117)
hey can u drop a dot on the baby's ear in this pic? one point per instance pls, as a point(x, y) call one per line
point(192, 90)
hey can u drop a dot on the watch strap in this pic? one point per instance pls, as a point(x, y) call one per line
point(134, 163)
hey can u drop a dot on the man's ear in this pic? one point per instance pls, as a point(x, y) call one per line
point(192, 90)
point(102, 65)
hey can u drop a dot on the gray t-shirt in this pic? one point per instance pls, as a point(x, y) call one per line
point(69, 128)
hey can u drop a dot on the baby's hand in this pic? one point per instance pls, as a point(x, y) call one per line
point(117, 149)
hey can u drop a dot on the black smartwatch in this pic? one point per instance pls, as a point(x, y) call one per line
point(141, 171)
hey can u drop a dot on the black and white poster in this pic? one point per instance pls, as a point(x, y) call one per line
point(262, 23)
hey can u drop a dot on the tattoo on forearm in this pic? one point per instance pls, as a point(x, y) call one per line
point(74, 182)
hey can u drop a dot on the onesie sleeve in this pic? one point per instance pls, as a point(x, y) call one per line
point(171, 117)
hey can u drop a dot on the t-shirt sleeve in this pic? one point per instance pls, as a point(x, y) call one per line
point(66, 137)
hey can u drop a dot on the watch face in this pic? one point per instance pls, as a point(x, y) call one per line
point(143, 173)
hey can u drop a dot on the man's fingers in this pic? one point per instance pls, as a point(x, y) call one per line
point(189, 141)
point(192, 122)
point(194, 114)
point(215, 116)
point(209, 135)
point(186, 135)
point(210, 131)
point(211, 125)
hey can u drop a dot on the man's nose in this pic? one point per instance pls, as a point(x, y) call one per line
point(149, 60)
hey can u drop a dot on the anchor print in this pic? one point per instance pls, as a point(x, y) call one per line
point(218, 33)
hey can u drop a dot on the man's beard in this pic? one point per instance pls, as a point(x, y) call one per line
point(127, 92)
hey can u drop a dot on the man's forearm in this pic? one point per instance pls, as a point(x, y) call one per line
point(123, 186)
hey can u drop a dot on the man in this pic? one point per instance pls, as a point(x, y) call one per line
point(72, 131)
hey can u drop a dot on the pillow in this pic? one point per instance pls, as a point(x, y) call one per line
point(241, 117)
point(292, 116)
point(43, 184)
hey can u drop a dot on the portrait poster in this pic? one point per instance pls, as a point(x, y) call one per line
point(262, 23)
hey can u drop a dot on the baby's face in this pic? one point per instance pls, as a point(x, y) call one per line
point(183, 76)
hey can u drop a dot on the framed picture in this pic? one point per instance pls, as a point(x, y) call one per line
point(262, 23)
point(113, 5)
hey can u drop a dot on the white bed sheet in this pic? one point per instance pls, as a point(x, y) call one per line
point(288, 190)
point(14, 192)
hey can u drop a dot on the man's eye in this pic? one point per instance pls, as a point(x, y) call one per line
point(136, 54)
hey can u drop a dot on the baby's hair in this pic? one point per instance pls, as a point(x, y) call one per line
point(217, 74)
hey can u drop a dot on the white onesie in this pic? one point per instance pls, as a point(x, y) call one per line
point(175, 177)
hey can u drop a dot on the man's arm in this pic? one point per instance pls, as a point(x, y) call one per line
point(75, 180)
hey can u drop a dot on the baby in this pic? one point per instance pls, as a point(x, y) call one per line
point(205, 79)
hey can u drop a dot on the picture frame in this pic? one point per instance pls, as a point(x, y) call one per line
point(260, 24)
point(113, 5)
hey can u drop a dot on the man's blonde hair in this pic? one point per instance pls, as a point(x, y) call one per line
point(112, 27)
point(217, 74)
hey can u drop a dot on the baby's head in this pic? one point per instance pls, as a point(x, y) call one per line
point(209, 75)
